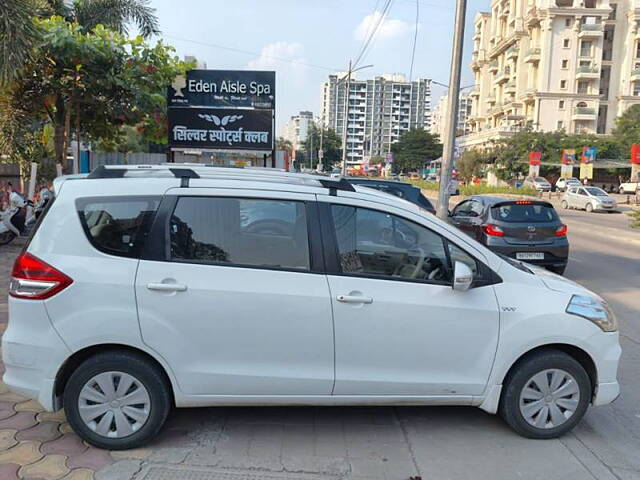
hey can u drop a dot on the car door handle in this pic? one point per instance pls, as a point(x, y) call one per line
point(354, 299)
point(167, 287)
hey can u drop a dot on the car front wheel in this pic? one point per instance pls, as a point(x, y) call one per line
point(589, 207)
point(117, 400)
point(545, 395)
point(564, 204)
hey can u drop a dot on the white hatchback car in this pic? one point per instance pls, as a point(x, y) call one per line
point(147, 287)
point(590, 198)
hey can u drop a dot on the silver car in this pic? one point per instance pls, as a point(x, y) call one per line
point(538, 183)
point(589, 198)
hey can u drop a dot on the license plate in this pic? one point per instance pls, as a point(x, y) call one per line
point(530, 256)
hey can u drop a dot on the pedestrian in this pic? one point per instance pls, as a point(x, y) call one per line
point(585, 181)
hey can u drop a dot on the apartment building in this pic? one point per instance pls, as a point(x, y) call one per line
point(380, 111)
point(553, 64)
point(438, 115)
point(297, 128)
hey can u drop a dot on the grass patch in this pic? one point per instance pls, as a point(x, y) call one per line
point(481, 189)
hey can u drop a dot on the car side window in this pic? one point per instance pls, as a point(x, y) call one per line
point(582, 192)
point(379, 244)
point(462, 210)
point(476, 208)
point(240, 231)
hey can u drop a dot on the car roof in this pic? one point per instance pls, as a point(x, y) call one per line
point(380, 182)
point(491, 200)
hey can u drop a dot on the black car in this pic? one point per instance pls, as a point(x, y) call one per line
point(399, 189)
point(527, 230)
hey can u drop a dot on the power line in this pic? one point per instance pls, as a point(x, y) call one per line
point(248, 52)
point(368, 43)
point(415, 40)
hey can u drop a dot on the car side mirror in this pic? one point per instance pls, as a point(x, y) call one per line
point(462, 277)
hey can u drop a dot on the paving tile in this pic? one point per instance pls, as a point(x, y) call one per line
point(19, 421)
point(9, 471)
point(93, 459)
point(68, 444)
point(135, 453)
point(6, 410)
point(7, 439)
point(42, 432)
point(58, 416)
point(79, 474)
point(23, 454)
point(11, 397)
point(3, 387)
point(51, 467)
point(65, 428)
point(28, 406)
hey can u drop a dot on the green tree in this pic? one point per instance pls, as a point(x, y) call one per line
point(284, 144)
point(627, 129)
point(414, 149)
point(94, 83)
point(331, 146)
point(471, 164)
point(19, 35)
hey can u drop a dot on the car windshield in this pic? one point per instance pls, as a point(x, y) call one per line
point(598, 192)
point(540, 180)
point(524, 213)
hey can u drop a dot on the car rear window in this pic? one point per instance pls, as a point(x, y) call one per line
point(117, 225)
point(524, 213)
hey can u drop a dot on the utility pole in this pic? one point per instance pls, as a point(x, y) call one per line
point(345, 122)
point(452, 110)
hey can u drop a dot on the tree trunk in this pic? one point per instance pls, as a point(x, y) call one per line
point(59, 132)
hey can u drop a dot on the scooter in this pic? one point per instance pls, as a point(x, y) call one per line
point(11, 224)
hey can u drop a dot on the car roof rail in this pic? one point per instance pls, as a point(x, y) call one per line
point(186, 171)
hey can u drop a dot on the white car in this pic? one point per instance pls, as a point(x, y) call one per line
point(562, 184)
point(590, 199)
point(146, 287)
point(629, 188)
point(538, 183)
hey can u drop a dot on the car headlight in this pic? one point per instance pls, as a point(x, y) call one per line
point(594, 310)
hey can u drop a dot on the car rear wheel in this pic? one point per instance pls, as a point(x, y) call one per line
point(621, 191)
point(589, 207)
point(6, 237)
point(545, 395)
point(117, 400)
point(564, 204)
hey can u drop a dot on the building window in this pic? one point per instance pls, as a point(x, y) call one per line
point(636, 89)
point(585, 48)
point(583, 88)
point(585, 63)
point(566, 43)
point(563, 84)
point(637, 49)
point(560, 125)
point(567, 22)
point(561, 104)
point(565, 64)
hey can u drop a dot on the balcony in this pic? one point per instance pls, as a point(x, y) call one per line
point(502, 76)
point(584, 113)
point(635, 74)
point(591, 30)
point(490, 99)
point(475, 93)
point(583, 73)
point(533, 55)
point(510, 87)
point(513, 52)
point(493, 66)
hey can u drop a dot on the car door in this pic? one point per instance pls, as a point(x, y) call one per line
point(582, 198)
point(400, 328)
point(467, 217)
point(234, 299)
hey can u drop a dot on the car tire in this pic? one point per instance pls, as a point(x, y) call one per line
point(144, 418)
point(621, 191)
point(6, 237)
point(564, 204)
point(566, 407)
point(589, 207)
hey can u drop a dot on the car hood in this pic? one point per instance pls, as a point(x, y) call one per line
point(558, 283)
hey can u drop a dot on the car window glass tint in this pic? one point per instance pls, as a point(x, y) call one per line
point(378, 244)
point(117, 226)
point(596, 192)
point(527, 213)
point(262, 233)
point(462, 210)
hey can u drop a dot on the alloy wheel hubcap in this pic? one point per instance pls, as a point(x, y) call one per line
point(114, 404)
point(549, 398)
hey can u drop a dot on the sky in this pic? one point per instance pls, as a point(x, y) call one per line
point(306, 40)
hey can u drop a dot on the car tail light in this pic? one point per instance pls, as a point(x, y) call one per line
point(36, 280)
point(493, 230)
point(561, 231)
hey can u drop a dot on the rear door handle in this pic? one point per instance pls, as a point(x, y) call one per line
point(354, 299)
point(167, 287)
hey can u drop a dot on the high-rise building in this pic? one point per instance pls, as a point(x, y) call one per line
point(380, 111)
point(548, 65)
point(438, 115)
point(297, 129)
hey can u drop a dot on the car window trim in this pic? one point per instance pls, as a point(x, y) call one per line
point(160, 249)
point(486, 276)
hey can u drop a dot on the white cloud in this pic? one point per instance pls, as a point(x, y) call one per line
point(279, 55)
point(389, 28)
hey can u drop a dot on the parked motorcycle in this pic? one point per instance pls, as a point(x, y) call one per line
point(13, 222)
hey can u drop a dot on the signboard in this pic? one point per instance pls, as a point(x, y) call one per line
point(223, 89)
point(566, 171)
point(221, 128)
point(635, 153)
point(568, 156)
point(534, 158)
point(586, 171)
point(588, 155)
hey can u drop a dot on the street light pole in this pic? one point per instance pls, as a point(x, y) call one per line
point(345, 122)
point(452, 110)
